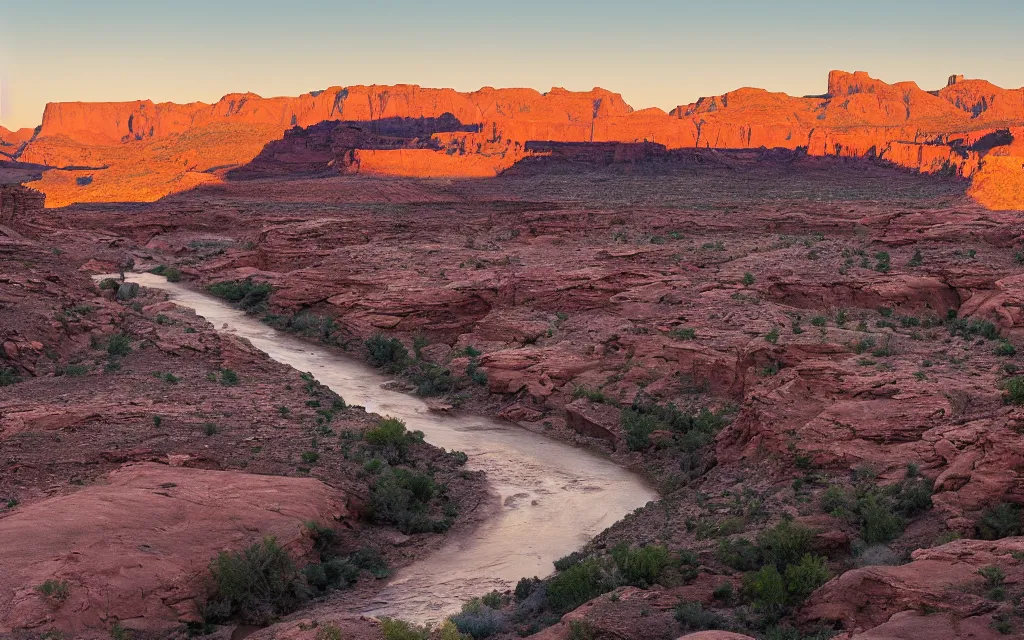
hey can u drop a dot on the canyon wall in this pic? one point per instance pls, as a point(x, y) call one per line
point(143, 150)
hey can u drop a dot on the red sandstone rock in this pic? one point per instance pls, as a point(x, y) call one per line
point(170, 523)
point(860, 116)
point(885, 602)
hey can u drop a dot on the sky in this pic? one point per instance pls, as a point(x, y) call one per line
point(653, 52)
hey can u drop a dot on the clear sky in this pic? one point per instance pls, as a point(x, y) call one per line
point(654, 52)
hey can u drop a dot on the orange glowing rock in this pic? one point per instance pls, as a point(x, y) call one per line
point(141, 151)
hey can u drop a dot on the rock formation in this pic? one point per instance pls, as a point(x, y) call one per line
point(16, 201)
point(100, 146)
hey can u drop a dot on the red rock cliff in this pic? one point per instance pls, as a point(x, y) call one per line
point(179, 146)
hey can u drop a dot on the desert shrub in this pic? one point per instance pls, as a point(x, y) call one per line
point(766, 590)
point(785, 543)
point(525, 587)
point(638, 427)
point(882, 264)
point(479, 620)
point(459, 457)
point(723, 592)
point(970, 328)
point(119, 344)
point(879, 522)
point(109, 283)
point(336, 573)
point(683, 333)
point(173, 274)
point(401, 630)
point(594, 395)
point(772, 336)
point(565, 562)
point(691, 616)
point(390, 439)
point(55, 589)
point(640, 566)
point(805, 576)
point(740, 554)
point(1013, 390)
point(9, 377)
point(581, 630)
point(386, 352)
point(881, 512)
point(641, 419)
point(1001, 521)
point(577, 584)
point(748, 279)
point(1005, 348)
point(402, 498)
point(492, 599)
point(430, 379)
point(834, 501)
point(255, 585)
point(249, 295)
point(329, 631)
point(228, 377)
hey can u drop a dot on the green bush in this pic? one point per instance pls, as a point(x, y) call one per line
point(55, 589)
point(767, 591)
point(570, 560)
point(641, 566)
point(402, 498)
point(805, 576)
point(582, 629)
point(255, 585)
point(1001, 521)
point(748, 279)
point(881, 512)
point(109, 283)
point(683, 333)
point(785, 543)
point(172, 274)
point(386, 352)
point(691, 616)
point(430, 379)
point(642, 419)
point(402, 630)
point(594, 395)
point(772, 336)
point(228, 377)
point(525, 587)
point(1005, 349)
point(740, 554)
point(479, 620)
point(119, 345)
point(9, 377)
point(251, 296)
point(1013, 390)
point(336, 573)
point(390, 439)
point(973, 328)
point(577, 584)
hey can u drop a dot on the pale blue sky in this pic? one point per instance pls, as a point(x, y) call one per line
point(656, 53)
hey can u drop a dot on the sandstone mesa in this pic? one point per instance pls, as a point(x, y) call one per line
point(141, 151)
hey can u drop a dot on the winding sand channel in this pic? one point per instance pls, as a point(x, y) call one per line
point(554, 497)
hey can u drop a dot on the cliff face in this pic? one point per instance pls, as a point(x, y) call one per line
point(143, 150)
point(17, 201)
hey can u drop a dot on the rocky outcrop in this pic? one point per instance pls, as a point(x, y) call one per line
point(16, 201)
point(152, 573)
point(942, 591)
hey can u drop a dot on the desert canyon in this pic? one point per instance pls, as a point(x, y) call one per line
point(408, 363)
